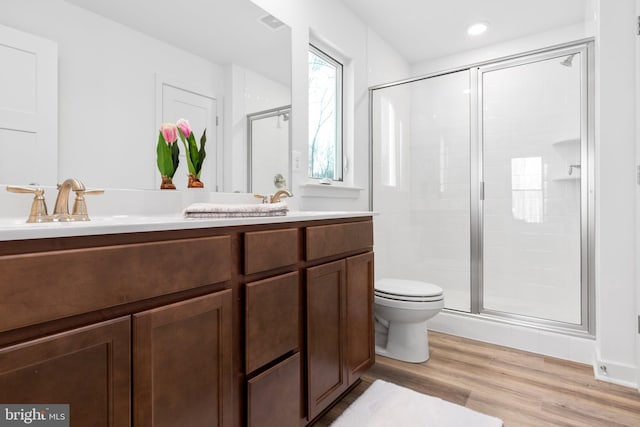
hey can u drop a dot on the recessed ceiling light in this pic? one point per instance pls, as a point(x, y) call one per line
point(477, 28)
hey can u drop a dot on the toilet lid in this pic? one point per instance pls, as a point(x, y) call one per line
point(407, 288)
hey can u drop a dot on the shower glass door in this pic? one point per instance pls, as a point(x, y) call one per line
point(484, 178)
point(533, 152)
point(421, 183)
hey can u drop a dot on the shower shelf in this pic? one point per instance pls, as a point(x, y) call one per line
point(573, 141)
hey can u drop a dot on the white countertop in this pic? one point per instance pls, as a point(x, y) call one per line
point(18, 229)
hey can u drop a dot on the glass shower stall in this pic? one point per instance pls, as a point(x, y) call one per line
point(483, 178)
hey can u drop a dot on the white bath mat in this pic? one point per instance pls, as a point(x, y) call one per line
point(387, 405)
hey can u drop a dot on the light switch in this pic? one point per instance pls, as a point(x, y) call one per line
point(296, 161)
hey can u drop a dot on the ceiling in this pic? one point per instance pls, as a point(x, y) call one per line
point(222, 31)
point(426, 29)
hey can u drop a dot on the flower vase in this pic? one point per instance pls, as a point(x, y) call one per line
point(167, 183)
point(194, 182)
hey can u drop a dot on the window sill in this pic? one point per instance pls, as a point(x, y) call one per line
point(330, 191)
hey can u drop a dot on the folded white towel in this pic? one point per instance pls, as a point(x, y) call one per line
point(213, 210)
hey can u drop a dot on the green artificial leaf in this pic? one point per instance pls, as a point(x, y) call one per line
point(175, 157)
point(201, 153)
point(165, 164)
point(193, 153)
point(188, 152)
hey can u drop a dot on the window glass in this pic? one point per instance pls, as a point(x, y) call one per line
point(325, 116)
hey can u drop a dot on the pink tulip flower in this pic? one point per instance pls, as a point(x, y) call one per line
point(169, 132)
point(184, 126)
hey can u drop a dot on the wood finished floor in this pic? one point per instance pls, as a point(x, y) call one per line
point(521, 388)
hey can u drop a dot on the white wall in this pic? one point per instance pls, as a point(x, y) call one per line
point(638, 196)
point(512, 47)
point(615, 187)
point(107, 124)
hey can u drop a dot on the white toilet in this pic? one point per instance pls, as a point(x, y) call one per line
point(402, 308)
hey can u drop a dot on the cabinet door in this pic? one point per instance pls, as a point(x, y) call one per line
point(273, 397)
point(87, 368)
point(326, 352)
point(359, 329)
point(182, 363)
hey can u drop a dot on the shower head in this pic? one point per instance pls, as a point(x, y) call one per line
point(567, 62)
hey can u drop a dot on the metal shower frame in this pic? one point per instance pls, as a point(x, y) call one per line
point(585, 48)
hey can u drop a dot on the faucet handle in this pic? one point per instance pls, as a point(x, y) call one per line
point(265, 199)
point(38, 211)
point(80, 206)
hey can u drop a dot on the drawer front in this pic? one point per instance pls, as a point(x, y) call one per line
point(266, 250)
point(274, 397)
point(52, 285)
point(272, 319)
point(327, 240)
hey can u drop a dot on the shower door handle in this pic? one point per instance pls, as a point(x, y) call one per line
point(481, 190)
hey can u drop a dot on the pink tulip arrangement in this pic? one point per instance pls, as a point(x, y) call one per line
point(195, 156)
point(167, 153)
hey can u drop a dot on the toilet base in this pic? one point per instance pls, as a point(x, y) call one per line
point(408, 342)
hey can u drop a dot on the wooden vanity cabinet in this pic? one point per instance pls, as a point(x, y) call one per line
point(290, 383)
point(164, 358)
point(273, 315)
point(339, 307)
point(258, 325)
point(87, 368)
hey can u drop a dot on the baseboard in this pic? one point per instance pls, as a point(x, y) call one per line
point(576, 349)
point(615, 373)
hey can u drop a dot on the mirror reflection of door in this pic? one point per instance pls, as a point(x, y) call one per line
point(269, 148)
point(28, 108)
point(200, 110)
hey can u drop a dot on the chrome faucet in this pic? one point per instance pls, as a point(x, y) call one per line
point(277, 197)
point(61, 209)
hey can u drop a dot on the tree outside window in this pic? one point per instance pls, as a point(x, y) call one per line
point(325, 116)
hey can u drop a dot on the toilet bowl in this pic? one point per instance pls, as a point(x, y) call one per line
point(402, 308)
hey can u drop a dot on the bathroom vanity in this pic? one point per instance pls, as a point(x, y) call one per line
point(258, 322)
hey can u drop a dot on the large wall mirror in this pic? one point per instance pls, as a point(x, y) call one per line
point(125, 67)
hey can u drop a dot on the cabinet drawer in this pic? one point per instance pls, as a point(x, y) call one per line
point(266, 250)
point(51, 285)
point(327, 240)
point(272, 319)
point(274, 397)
